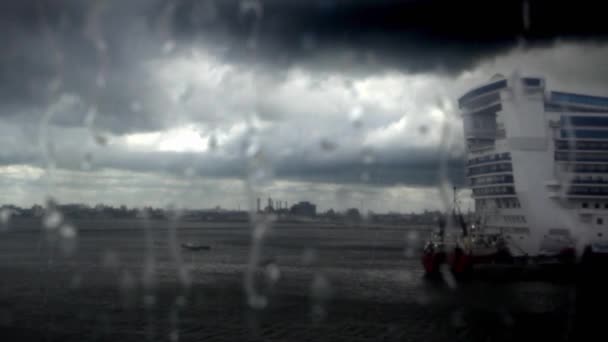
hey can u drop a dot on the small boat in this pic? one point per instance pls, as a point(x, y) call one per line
point(195, 247)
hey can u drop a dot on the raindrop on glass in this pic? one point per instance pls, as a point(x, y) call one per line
point(149, 300)
point(308, 41)
point(320, 288)
point(457, 319)
point(365, 176)
point(318, 312)
point(423, 129)
point(135, 107)
point(328, 145)
point(87, 162)
point(67, 231)
point(355, 116)
point(100, 139)
point(5, 216)
point(168, 46)
point(189, 172)
point(52, 219)
point(89, 119)
point(76, 281)
point(180, 301)
point(309, 257)
point(257, 301)
point(212, 142)
point(412, 236)
point(253, 150)
point(447, 276)
point(110, 260)
point(368, 157)
point(273, 273)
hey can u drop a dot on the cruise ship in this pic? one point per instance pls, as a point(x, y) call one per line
point(537, 165)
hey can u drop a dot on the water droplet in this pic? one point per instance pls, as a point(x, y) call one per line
point(149, 300)
point(253, 150)
point(127, 281)
point(5, 216)
point(189, 172)
point(309, 257)
point(67, 231)
point(328, 145)
point(52, 219)
point(409, 252)
point(87, 162)
point(423, 129)
point(507, 319)
point(447, 276)
point(318, 312)
point(526, 15)
point(174, 335)
point(364, 176)
point(308, 41)
point(212, 142)
point(257, 302)
point(368, 157)
point(355, 116)
point(100, 138)
point(89, 119)
point(135, 107)
point(412, 236)
point(100, 80)
point(76, 281)
point(273, 273)
point(457, 319)
point(168, 46)
point(405, 276)
point(180, 301)
point(110, 259)
point(320, 288)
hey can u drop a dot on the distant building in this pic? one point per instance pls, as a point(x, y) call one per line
point(304, 209)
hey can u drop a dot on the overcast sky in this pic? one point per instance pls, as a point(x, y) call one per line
point(342, 103)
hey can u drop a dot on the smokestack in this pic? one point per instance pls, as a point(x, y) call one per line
point(259, 204)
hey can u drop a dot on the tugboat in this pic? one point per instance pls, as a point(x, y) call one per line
point(460, 251)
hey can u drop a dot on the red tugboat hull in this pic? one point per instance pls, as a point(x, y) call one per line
point(432, 261)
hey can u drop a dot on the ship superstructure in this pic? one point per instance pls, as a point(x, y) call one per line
point(537, 164)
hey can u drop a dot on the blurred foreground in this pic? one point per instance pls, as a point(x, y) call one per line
point(334, 283)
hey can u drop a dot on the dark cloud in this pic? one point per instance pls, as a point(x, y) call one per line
point(97, 49)
point(417, 36)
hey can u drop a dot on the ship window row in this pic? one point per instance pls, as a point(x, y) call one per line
point(490, 158)
point(532, 82)
point(590, 180)
point(514, 218)
point(497, 203)
point(571, 156)
point(557, 96)
point(561, 108)
point(583, 133)
point(588, 190)
point(478, 170)
point(581, 145)
point(594, 205)
point(494, 190)
point(584, 168)
point(482, 90)
point(574, 121)
point(498, 179)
